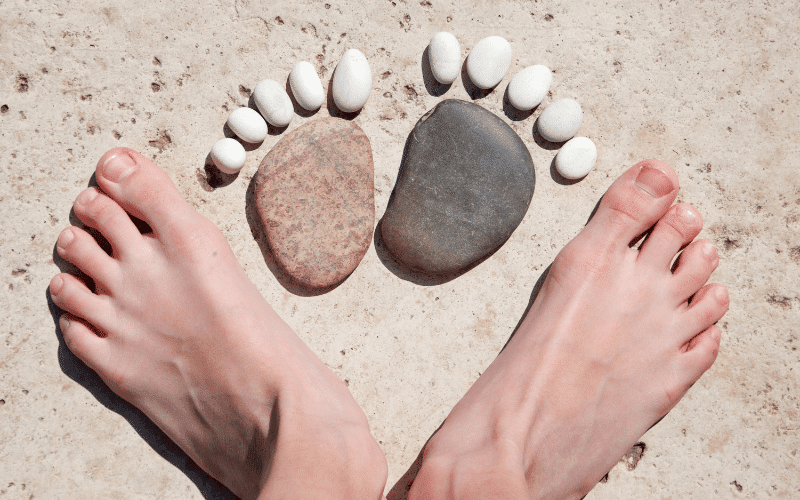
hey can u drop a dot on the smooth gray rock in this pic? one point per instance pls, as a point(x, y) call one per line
point(465, 184)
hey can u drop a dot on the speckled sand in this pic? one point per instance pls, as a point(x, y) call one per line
point(710, 87)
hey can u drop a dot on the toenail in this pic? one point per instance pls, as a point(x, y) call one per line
point(688, 214)
point(117, 167)
point(654, 182)
point(710, 251)
point(721, 294)
point(64, 322)
point(65, 238)
point(55, 285)
point(87, 196)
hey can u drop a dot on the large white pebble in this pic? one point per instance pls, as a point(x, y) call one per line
point(352, 81)
point(576, 158)
point(488, 61)
point(248, 125)
point(228, 155)
point(274, 103)
point(529, 87)
point(561, 120)
point(444, 53)
point(306, 87)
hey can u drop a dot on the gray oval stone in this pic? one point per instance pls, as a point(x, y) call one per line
point(465, 184)
point(314, 192)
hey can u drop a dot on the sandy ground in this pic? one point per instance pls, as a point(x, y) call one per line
point(710, 87)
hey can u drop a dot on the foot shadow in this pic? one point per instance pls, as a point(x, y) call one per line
point(257, 229)
point(432, 85)
point(76, 370)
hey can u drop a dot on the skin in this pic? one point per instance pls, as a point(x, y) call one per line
point(174, 326)
point(612, 342)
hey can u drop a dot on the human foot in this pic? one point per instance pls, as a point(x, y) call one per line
point(176, 328)
point(610, 345)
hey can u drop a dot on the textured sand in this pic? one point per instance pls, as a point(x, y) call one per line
point(710, 87)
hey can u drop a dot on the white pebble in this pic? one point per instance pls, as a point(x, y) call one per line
point(529, 87)
point(274, 103)
point(576, 158)
point(352, 81)
point(228, 155)
point(248, 125)
point(561, 120)
point(488, 61)
point(306, 87)
point(444, 53)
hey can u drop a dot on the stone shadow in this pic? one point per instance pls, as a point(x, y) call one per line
point(541, 141)
point(257, 229)
point(298, 109)
point(473, 90)
point(333, 109)
point(513, 113)
point(432, 85)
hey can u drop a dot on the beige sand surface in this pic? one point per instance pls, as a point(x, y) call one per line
point(710, 87)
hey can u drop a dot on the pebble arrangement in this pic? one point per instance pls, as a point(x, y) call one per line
point(316, 184)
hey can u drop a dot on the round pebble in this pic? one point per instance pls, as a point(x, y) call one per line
point(576, 158)
point(228, 155)
point(248, 125)
point(444, 53)
point(488, 61)
point(529, 87)
point(306, 87)
point(274, 103)
point(352, 81)
point(561, 120)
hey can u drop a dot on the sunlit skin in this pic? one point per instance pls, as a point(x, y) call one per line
point(174, 326)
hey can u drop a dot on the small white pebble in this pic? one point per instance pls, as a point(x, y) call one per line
point(444, 54)
point(248, 125)
point(274, 103)
point(352, 81)
point(576, 158)
point(306, 87)
point(228, 155)
point(488, 61)
point(529, 87)
point(561, 120)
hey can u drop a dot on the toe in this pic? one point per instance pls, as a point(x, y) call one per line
point(71, 295)
point(78, 247)
point(679, 226)
point(700, 353)
point(707, 307)
point(636, 200)
point(82, 340)
point(100, 212)
point(142, 189)
point(694, 268)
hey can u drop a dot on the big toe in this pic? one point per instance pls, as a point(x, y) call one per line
point(635, 202)
point(142, 189)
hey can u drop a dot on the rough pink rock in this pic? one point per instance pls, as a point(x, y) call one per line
point(314, 192)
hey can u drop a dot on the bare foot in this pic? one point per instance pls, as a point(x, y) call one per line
point(177, 329)
point(610, 345)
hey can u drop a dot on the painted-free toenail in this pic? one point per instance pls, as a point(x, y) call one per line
point(688, 214)
point(55, 285)
point(117, 167)
point(654, 182)
point(64, 322)
point(87, 196)
point(64, 239)
point(710, 251)
point(721, 294)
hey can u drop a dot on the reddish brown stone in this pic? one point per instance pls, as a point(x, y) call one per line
point(314, 192)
